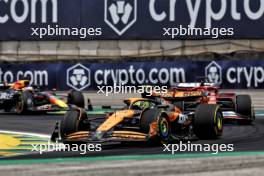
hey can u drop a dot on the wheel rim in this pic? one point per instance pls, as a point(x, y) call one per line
point(218, 124)
point(164, 127)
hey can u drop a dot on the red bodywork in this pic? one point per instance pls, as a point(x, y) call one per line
point(211, 95)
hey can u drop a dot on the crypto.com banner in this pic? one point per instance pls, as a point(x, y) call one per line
point(85, 76)
point(130, 19)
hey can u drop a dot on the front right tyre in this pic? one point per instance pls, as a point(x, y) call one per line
point(244, 107)
point(208, 122)
point(73, 121)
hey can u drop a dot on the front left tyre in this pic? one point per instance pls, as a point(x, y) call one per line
point(244, 107)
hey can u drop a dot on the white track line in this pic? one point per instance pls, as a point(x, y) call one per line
point(24, 133)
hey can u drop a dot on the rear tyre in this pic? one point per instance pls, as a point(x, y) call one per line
point(208, 121)
point(7, 108)
point(25, 101)
point(164, 129)
point(76, 98)
point(150, 116)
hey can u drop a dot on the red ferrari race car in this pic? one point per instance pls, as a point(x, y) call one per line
point(235, 108)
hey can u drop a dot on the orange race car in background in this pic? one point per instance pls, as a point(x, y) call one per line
point(141, 120)
point(22, 97)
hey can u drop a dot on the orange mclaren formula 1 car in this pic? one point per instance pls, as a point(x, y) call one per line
point(141, 120)
point(187, 96)
point(22, 97)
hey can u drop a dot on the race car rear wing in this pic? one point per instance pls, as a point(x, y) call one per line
point(195, 85)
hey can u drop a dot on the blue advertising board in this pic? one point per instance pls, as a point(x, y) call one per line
point(85, 76)
point(130, 19)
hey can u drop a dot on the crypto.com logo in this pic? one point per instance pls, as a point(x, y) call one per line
point(213, 72)
point(78, 77)
point(120, 15)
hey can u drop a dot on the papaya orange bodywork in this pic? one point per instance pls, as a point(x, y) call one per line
point(114, 135)
point(115, 119)
point(153, 129)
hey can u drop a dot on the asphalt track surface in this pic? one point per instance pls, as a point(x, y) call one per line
point(136, 159)
point(244, 137)
point(212, 166)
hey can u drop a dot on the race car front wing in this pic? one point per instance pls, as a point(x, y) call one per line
point(98, 137)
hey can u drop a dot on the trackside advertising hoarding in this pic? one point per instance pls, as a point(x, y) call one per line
point(85, 76)
point(130, 19)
